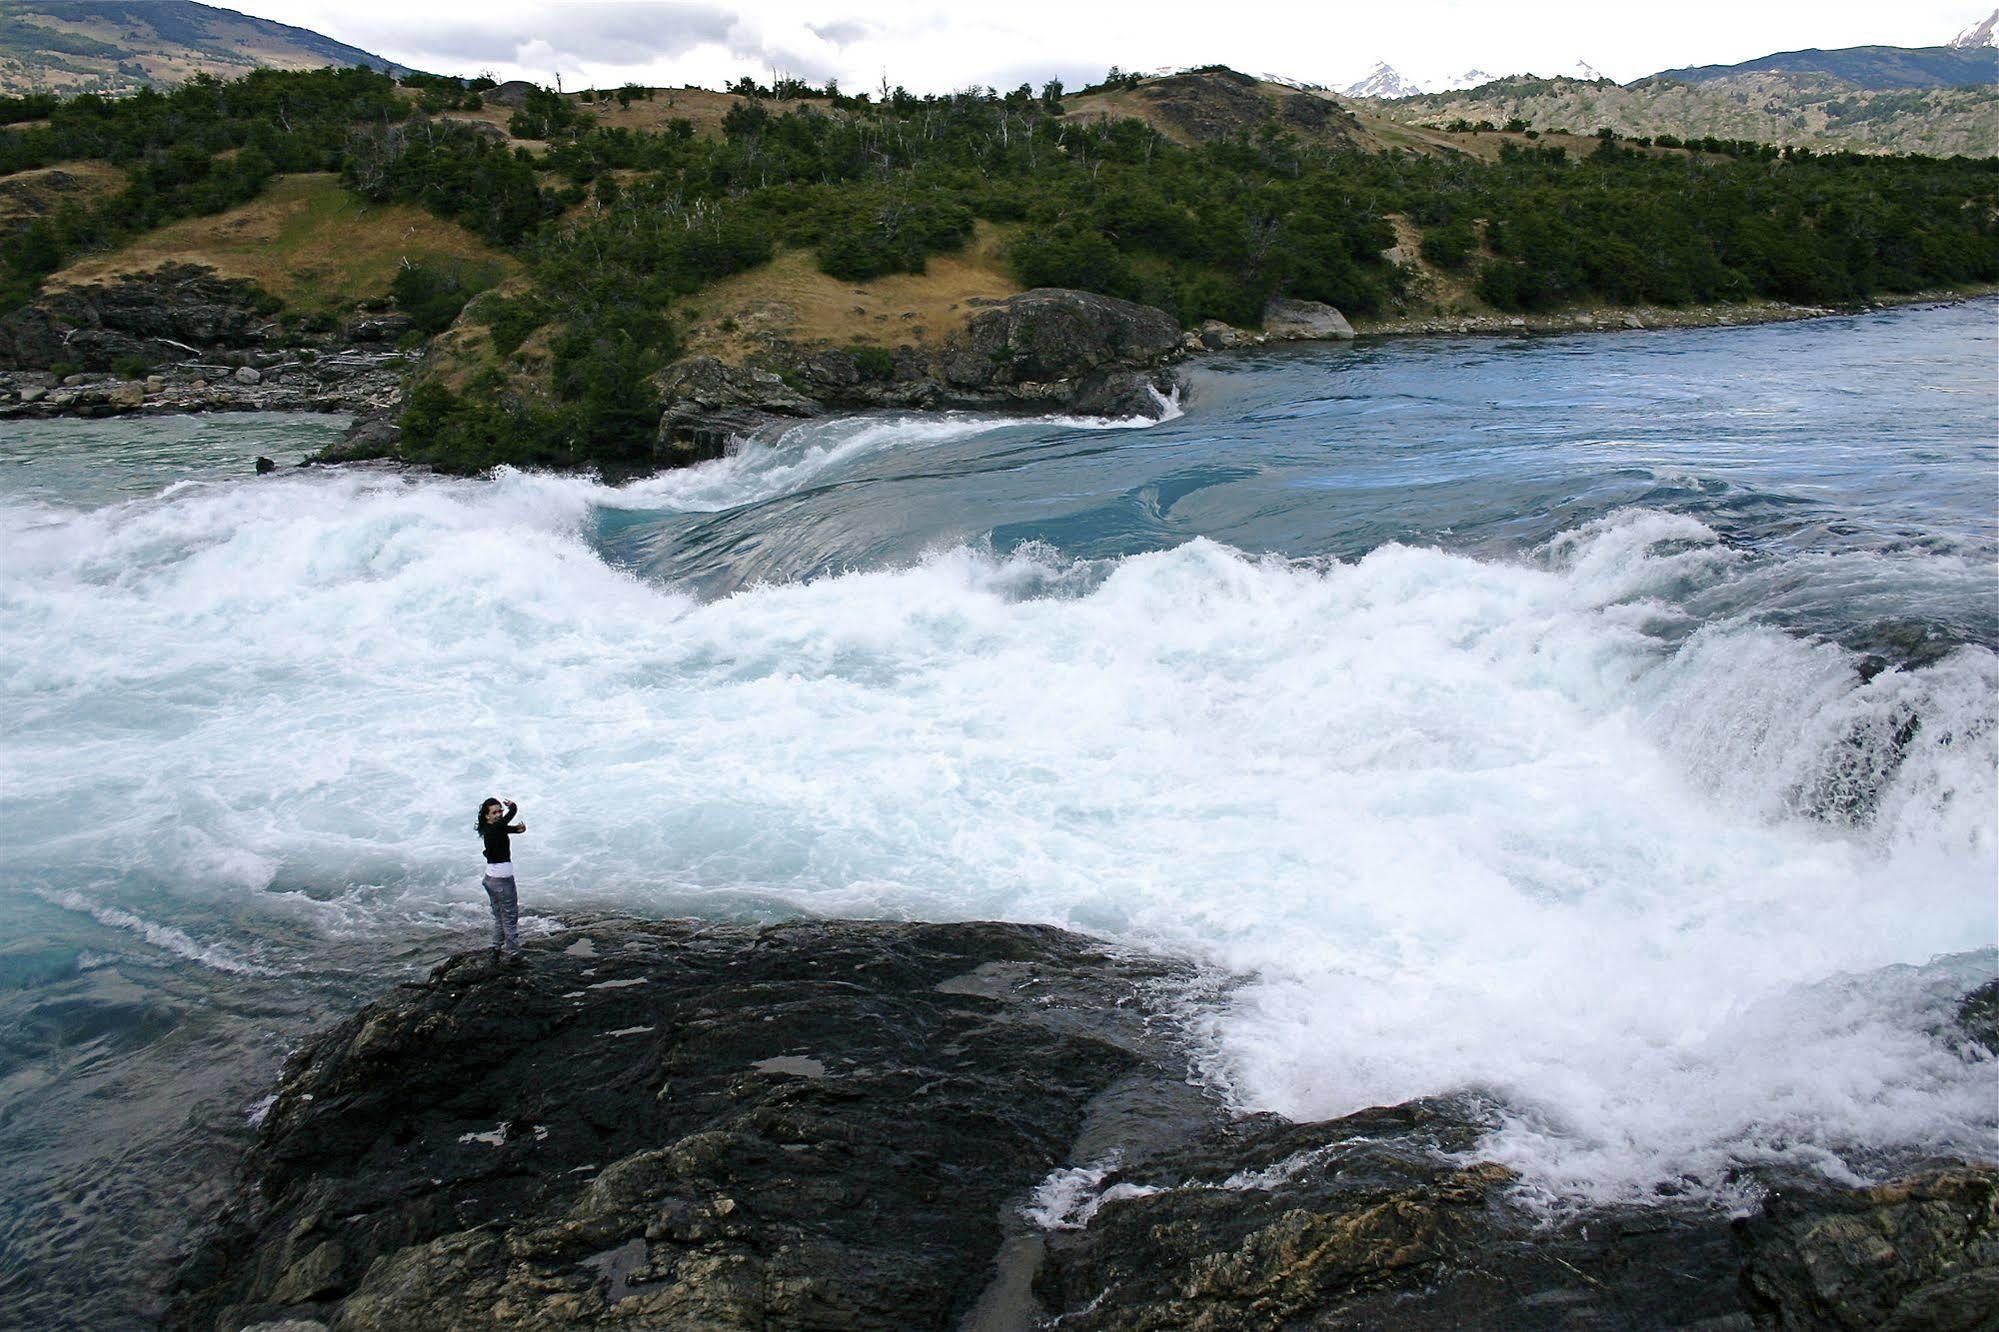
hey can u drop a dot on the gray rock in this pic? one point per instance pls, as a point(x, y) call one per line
point(1284, 318)
point(130, 394)
point(1123, 394)
point(33, 393)
point(380, 328)
point(1053, 336)
point(248, 374)
point(161, 315)
point(1633, 321)
point(709, 403)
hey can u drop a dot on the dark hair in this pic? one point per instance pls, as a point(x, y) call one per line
point(490, 802)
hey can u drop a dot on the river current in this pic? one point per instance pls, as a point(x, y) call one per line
point(1605, 725)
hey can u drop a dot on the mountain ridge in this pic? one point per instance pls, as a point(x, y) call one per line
point(120, 46)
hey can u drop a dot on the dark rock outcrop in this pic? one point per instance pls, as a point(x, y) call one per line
point(662, 1125)
point(1919, 1253)
point(709, 402)
point(851, 1125)
point(1051, 336)
point(170, 313)
point(1047, 348)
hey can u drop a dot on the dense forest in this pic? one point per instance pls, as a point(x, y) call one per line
point(618, 226)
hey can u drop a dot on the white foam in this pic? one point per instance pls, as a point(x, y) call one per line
point(1466, 824)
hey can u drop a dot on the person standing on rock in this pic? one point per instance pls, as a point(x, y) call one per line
point(496, 827)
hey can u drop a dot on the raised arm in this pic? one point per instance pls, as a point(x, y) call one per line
point(512, 827)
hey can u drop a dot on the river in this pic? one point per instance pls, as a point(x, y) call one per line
point(1604, 723)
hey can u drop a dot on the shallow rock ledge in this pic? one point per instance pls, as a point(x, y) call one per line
point(981, 1126)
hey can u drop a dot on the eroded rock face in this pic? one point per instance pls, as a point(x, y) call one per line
point(170, 313)
point(708, 403)
point(887, 1126)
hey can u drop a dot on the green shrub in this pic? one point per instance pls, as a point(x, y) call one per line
point(874, 363)
point(431, 295)
point(510, 320)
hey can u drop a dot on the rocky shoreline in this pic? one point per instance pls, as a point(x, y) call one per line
point(842, 1124)
point(211, 346)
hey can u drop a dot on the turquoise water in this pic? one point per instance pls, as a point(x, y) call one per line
point(1604, 723)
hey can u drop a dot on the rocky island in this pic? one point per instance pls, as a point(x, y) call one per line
point(979, 1126)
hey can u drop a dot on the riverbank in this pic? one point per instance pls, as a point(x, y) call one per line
point(979, 1125)
point(1047, 350)
point(1614, 318)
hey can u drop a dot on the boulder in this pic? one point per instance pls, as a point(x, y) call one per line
point(1289, 319)
point(248, 374)
point(1124, 394)
point(1052, 335)
point(372, 435)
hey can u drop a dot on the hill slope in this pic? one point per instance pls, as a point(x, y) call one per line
point(1807, 110)
point(73, 46)
point(1872, 67)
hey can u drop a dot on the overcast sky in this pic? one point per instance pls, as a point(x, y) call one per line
point(936, 48)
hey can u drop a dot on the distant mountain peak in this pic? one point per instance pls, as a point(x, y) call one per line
point(1985, 33)
point(1384, 80)
point(116, 46)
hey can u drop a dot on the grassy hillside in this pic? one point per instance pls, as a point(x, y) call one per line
point(1809, 111)
point(1872, 67)
point(308, 242)
point(115, 46)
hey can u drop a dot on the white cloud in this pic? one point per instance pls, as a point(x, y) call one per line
point(932, 49)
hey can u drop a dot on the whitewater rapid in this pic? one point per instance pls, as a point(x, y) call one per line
point(1676, 894)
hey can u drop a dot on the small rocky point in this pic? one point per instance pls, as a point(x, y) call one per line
point(976, 1126)
point(1049, 348)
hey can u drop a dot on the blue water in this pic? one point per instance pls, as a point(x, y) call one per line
point(1606, 724)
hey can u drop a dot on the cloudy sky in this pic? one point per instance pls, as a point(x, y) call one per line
point(935, 48)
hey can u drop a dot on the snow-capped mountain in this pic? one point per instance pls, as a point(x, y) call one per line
point(1383, 81)
point(1471, 78)
point(1985, 33)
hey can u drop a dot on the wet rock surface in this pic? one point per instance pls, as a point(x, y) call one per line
point(979, 1126)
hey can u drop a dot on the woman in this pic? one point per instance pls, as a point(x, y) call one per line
point(495, 826)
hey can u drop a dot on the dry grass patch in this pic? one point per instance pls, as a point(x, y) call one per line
point(27, 195)
point(306, 241)
point(703, 108)
point(790, 300)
